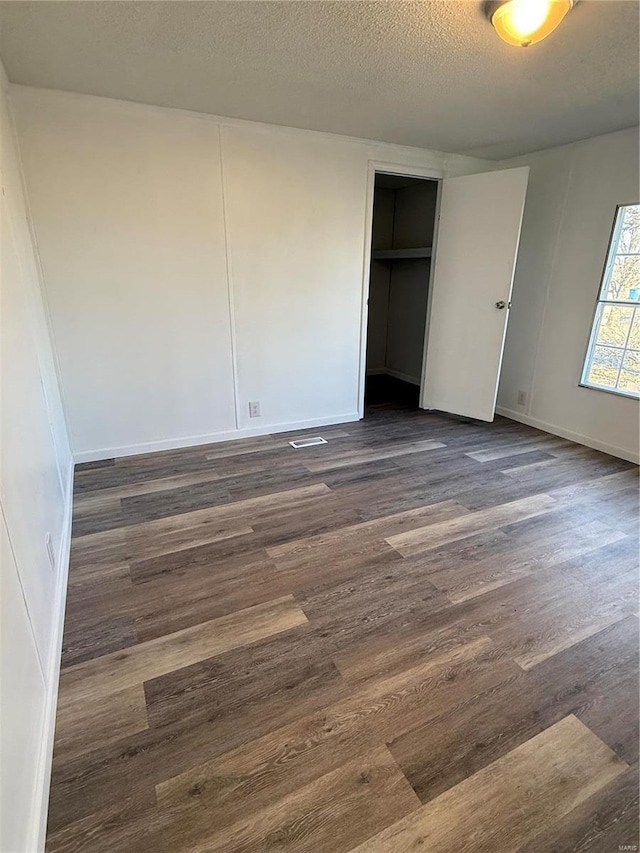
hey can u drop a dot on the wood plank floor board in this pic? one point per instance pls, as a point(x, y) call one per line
point(94, 556)
point(87, 502)
point(398, 648)
point(367, 598)
point(358, 457)
point(377, 492)
point(87, 638)
point(289, 666)
point(245, 550)
point(255, 507)
point(521, 552)
point(116, 546)
point(424, 632)
point(139, 469)
point(375, 703)
point(126, 768)
point(128, 825)
point(382, 708)
point(224, 490)
point(106, 595)
point(119, 670)
point(501, 807)
point(100, 615)
point(615, 718)
point(534, 615)
point(421, 488)
point(610, 572)
point(290, 756)
point(557, 620)
point(608, 820)
point(264, 770)
point(516, 448)
point(422, 539)
point(99, 513)
point(170, 533)
point(113, 716)
point(561, 471)
point(198, 592)
point(333, 813)
point(373, 531)
point(613, 712)
point(444, 750)
point(325, 516)
point(494, 490)
point(605, 486)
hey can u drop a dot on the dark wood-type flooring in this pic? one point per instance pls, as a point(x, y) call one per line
point(421, 636)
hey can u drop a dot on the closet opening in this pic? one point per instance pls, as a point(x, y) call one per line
point(402, 239)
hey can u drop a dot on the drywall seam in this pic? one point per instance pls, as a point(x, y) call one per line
point(52, 677)
point(212, 438)
point(577, 437)
point(230, 295)
point(547, 293)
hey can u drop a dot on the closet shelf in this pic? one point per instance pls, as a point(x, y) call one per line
point(401, 254)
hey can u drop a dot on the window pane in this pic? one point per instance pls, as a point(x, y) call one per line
point(613, 356)
point(615, 322)
point(630, 373)
point(624, 282)
point(605, 366)
point(629, 240)
point(634, 337)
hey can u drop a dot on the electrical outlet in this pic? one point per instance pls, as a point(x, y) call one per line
point(522, 398)
point(254, 410)
point(49, 548)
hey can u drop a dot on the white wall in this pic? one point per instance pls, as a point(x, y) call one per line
point(127, 206)
point(294, 205)
point(175, 302)
point(571, 202)
point(35, 495)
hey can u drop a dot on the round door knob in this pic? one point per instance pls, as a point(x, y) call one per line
point(502, 304)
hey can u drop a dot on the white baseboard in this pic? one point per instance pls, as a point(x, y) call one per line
point(211, 438)
point(412, 380)
point(387, 371)
point(43, 781)
point(611, 449)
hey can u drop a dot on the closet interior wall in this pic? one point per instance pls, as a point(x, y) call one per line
point(403, 218)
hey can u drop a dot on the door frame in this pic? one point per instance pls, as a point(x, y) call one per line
point(401, 170)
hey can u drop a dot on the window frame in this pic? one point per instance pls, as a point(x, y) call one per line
point(592, 339)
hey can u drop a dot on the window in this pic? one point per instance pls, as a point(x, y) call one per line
point(613, 356)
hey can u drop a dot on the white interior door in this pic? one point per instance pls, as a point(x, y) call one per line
point(477, 243)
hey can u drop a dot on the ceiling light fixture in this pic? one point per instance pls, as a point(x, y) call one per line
point(525, 22)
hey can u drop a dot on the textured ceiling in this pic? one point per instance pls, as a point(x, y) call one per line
point(430, 74)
